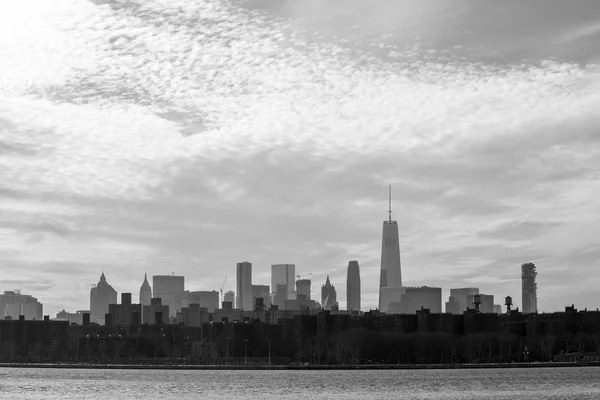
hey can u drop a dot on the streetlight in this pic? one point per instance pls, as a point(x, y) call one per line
point(246, 351)
point(269, 340)
point(299, 350)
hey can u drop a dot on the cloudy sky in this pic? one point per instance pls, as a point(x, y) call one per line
point(184, 136)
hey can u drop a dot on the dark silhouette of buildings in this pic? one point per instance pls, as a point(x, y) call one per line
point(353, 286)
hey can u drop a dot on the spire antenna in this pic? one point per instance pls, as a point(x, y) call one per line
point(390, 210)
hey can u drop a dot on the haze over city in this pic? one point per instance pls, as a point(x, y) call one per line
point(177, 136)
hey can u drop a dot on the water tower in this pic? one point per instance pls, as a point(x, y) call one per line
point(477, 301)
point(508, 303)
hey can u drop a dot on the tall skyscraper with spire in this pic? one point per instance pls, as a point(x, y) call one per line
point(145, 294)
point(353, 287)
point(390, 255)
point(101, 295)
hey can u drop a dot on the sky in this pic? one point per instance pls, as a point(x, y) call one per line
point(184, 136)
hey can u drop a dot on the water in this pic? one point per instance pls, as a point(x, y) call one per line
point(497, 384)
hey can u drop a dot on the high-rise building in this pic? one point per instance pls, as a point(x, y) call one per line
point(353, 286)
point(244, 286)
point(486, 303)
point(416, 298)
point(169, 288)
point(229, 297)
point(125, 313)
point(458, 302)
point(283, 274)
point(14, 304)
point(145, 292)
point(206, 299)
point(101, 295)
point(328, 296)
point(303, 288)
point(261, 292)
point(529, 288)
point(156, 312)
point(390, 255)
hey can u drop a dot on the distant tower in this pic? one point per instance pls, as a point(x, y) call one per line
point(169, 289)
point(100, 297)
point(353, 287)
point(390, 255)
point(529, 288)
point(244, 286)
point(328, 296)
point(145, 294)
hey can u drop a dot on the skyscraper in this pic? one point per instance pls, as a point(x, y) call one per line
point(390, 255)
point(244, 286)
point(145, 292)
point(101, 296)
point(229, 297)
point(353, 286)
point(328, 295)
point(303, 288)
point(529, 288)
point(282, 278)
point(14, 304)
point(458, 302)
point(168, 288)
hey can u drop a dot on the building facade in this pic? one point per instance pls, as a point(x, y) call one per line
point(261, 292)
point(458, 301)
point(529, 288)
point(244, 286)
point(101, 296)
point(169, 288)
point(229, 297)
point(353, 287)
point(303, 288)
point(391, 275)
point(13, 304)
point(145, 292)
point(205, 299)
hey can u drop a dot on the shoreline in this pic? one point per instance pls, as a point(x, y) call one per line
point(298, 367)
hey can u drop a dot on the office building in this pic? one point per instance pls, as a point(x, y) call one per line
point(244, 286)
point(229, 297)
point(458, 302)
point(303, 288)
point(328, 296)
point(353, 287)
point(101, 295)
point(205, 299)
point(125, 313)
point(261, 292)
point(73, 318)
point(390, 256)
point(13, 304)
point(282, 278)
point(390, 299)
point(529, 288)
point(425, 297)
point(169, 288)
point(486, 303)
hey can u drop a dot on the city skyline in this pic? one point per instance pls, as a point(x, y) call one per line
point(270, 132)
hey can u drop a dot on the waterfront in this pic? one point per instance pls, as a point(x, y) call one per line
point(497, 384)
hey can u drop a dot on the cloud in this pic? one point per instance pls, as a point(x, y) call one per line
point(185, 136)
